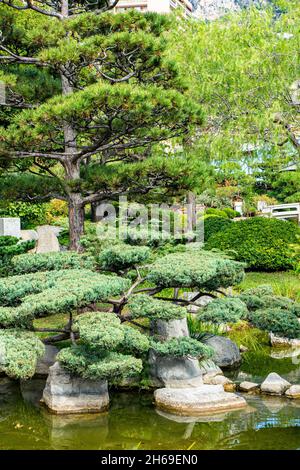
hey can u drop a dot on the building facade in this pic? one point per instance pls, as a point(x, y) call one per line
point(158, 6)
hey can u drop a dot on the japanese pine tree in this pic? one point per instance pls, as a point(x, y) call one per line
point(98, 93)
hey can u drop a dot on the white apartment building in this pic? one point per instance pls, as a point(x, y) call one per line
point(158, 6)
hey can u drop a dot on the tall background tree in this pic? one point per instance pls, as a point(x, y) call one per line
point(99, 92)
point(244, 70)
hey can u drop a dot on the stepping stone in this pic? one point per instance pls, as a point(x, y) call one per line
point(293, 391)
point(274, 385)
point(248, 387)
point(197, 401)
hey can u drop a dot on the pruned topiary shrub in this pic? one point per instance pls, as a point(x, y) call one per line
point(142, 305)
point(19, 353)
point(120, 257)
point(51, 261)
point(182, 347)
point(190, 269)
point(280, 322)
point(224, 310)
point(264, 244)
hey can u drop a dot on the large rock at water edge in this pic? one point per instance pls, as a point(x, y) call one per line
point(274, 385)
point(226, 352)
point(293, 391)
point(175, 372)
point(248, 387)
point(67, 394)
point(205, 399)
point(45, 362)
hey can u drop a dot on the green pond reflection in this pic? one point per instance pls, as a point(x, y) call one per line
point(133, 423)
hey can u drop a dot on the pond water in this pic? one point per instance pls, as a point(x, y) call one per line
point(133, 423)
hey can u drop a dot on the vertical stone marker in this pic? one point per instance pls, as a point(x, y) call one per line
point(47, 240)
point(10, 226)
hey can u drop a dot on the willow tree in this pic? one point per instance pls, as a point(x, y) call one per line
point(244, 69)
point(118, 96)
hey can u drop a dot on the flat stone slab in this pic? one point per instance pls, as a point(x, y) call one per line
point(248, 386)
point(197, 401)
point(293, 391)
point(274, 384)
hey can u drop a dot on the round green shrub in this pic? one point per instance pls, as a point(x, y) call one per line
point(225, 310)
point(231, 213)
point(264, 244)
point(10, 247)
point(278, 321)
point(214, 225)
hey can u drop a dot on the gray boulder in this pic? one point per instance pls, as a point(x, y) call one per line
point(226, 352)
point(174, 372)
point(45, 362)
point(170, 329)
point(274, 385)
point(67, 394)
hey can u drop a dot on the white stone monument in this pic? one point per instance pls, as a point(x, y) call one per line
point(10, 226)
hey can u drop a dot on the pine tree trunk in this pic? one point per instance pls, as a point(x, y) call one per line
point(76, 206)
point(76, 220)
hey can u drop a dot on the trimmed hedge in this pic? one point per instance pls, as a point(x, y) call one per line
point(264, 244)
point(213, 225)
point(25, 264)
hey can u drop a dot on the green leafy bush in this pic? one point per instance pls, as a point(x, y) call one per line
point(100, 331)
point(142, 305)
point(225, 310)
point(120, 257)
point(201, 269)
point(214, 225)
point(182, 347)
point(231, 213)
point(30, 214)
point(277, 321)
point(19, 353)
point(264, 244)
point(51, 261)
